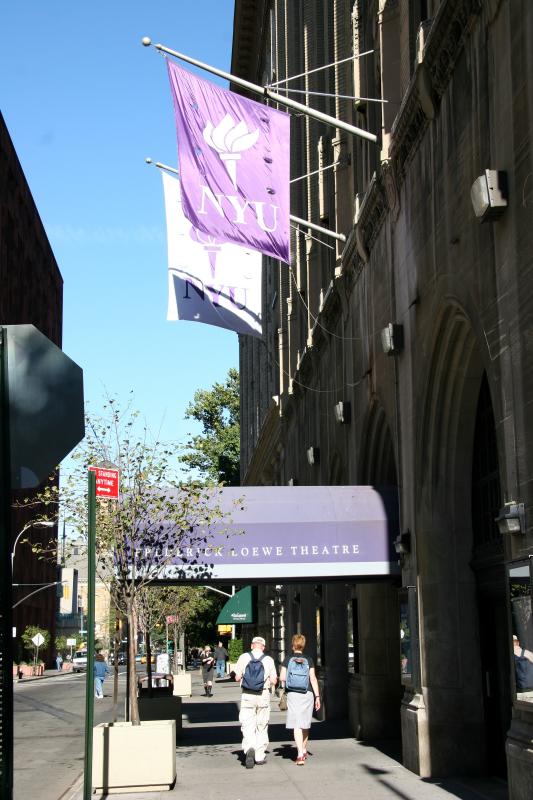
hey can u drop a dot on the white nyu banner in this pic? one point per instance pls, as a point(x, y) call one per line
point(208, 281)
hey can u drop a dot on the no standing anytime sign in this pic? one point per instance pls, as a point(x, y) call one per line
point(106, 482)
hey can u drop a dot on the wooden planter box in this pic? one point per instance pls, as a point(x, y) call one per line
point(29, 671)
point(134, 758)
point(66, 666)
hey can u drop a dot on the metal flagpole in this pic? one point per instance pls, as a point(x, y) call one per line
point(340, 236)
point(266, 92)
point(305, 223)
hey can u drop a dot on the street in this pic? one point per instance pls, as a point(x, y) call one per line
point(49, 732)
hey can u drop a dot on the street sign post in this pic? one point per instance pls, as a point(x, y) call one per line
point(91, 589)
point(106, 482)
point(37, 640)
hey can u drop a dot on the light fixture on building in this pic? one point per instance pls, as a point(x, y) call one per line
point(489, 195)
point(292, 482)
point(512, 518)
point(402, 543)
point(392, 339)
point(343, 412)
point(313, 455)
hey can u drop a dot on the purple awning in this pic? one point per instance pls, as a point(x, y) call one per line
point(297, 532)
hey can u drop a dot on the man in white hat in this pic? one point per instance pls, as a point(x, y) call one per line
point(256, 673)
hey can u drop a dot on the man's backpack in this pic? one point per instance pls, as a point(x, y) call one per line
point(523, 672)
point(297, 675)
point(253, 679)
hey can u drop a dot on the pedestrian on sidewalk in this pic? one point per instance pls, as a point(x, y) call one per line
point(301, 686)
point(59, 662)
point(100, 670)
point(256, 673)
point(221, 655)
point(208, 669)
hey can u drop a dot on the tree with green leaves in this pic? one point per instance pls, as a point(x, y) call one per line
point(156, 519)
point(27, 638)
point(215, 453)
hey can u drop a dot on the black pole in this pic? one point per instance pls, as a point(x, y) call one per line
point(89, 690)
point(6, 592)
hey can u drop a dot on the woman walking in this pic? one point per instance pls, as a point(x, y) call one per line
point(100, 670)
point(208, 668)
point(298, 676)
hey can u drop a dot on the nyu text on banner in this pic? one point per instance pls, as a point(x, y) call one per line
point(209, 281)
point(234, 164)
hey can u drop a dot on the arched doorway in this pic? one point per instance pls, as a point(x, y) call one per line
point(488, 565)
point(463, 685)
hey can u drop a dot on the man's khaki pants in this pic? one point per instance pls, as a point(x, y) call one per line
point(254, 717)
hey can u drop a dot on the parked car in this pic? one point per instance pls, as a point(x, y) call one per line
point(79, 662)
point(121, 658)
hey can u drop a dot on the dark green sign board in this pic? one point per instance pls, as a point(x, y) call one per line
point(238, 609)
point(41, 420)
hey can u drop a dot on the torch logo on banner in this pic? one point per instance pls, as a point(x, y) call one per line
point(229, 139)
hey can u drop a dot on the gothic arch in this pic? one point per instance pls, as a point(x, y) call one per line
point(377, 463)
point(453, 599)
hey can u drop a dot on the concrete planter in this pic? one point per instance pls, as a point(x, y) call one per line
point(161, 708)
point(182, 684)
point(66, 666)
point(134, 758)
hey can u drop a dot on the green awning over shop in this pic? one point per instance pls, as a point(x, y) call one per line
point(238, 609)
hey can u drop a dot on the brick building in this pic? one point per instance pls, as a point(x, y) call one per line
point(31, 292)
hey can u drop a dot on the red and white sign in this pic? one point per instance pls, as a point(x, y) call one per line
point(106, 482)
point(171, 620)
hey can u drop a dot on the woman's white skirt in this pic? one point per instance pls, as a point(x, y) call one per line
point(299, 709)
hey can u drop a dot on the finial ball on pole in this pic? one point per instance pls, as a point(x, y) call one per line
point(146, 41)
point(148, 160)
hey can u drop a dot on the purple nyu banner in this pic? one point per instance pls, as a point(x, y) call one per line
point(234, 164)
point(293, 532)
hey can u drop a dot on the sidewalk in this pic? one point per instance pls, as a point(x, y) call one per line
point(209, 762)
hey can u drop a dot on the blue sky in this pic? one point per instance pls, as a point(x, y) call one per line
point(85, 103)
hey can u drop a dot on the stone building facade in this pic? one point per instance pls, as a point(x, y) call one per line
point(31, 291)
point(441, 411)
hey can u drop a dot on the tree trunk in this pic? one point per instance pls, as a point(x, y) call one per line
point(175, 648)
point(132, 672)
point(116, 647)
point(148, 649)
